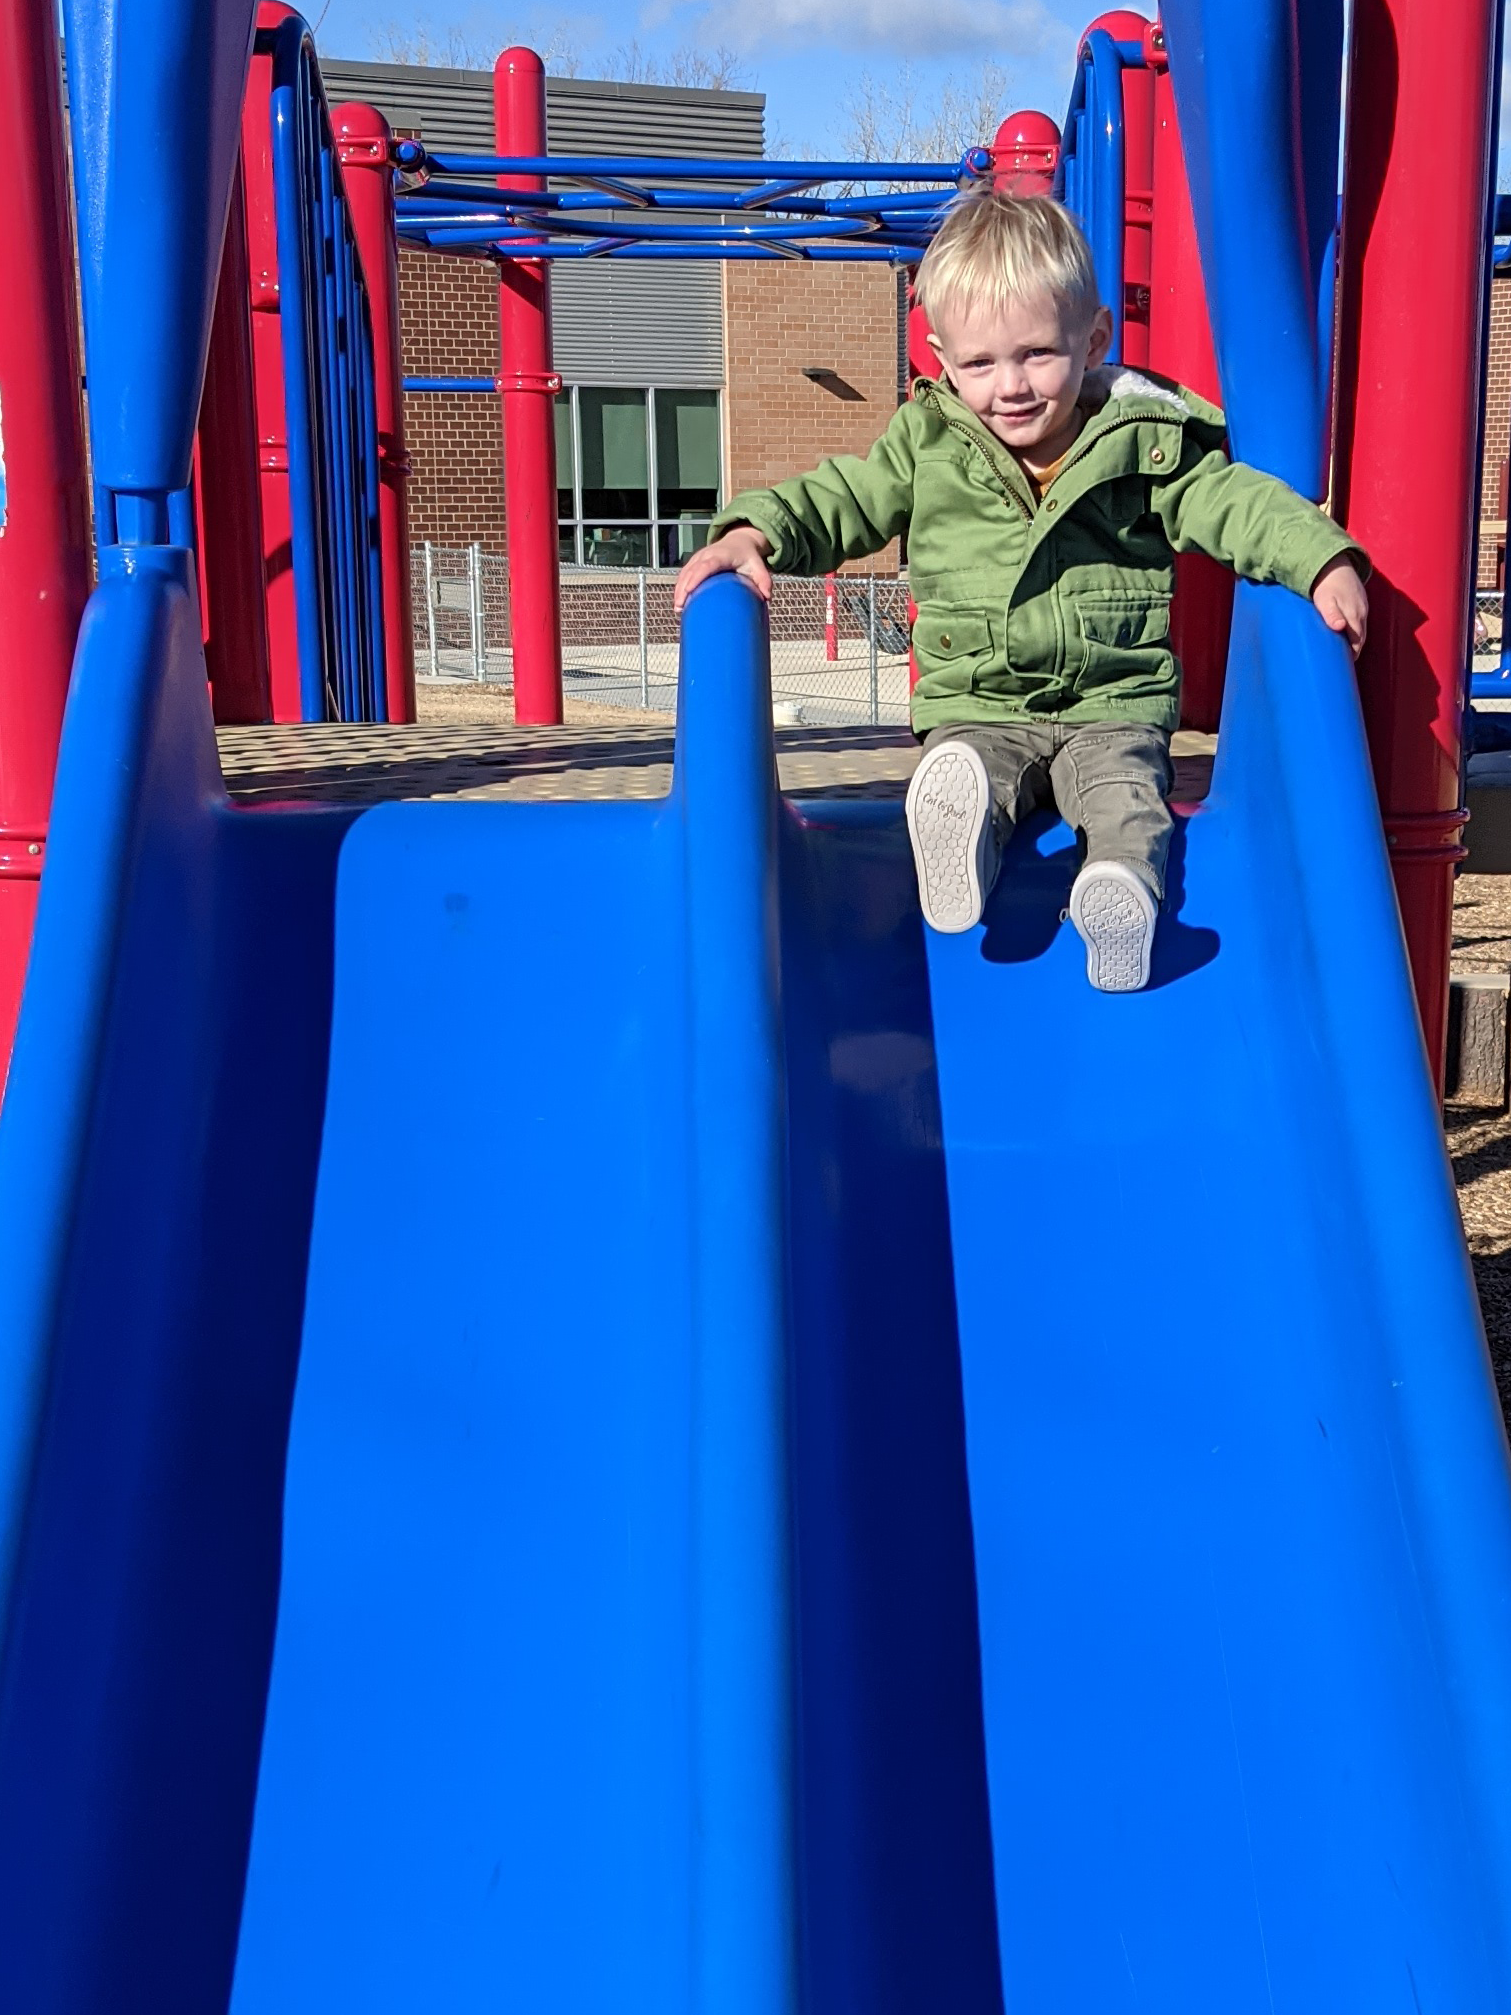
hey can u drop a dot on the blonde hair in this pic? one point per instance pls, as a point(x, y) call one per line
point(995, 251)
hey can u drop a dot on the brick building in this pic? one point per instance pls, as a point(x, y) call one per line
point(685, 381)
point(736, 374)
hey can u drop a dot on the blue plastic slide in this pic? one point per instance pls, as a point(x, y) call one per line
point(590, 1422)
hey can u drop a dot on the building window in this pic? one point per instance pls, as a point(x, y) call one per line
point(637, 474)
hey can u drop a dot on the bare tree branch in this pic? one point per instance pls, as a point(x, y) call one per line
point(452, 48)
point(689, 68)
point(885, 121)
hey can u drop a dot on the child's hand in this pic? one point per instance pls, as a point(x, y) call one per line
point(1340, 600)
point(742, 550)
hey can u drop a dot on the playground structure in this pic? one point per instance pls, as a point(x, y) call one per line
point(422, 1606)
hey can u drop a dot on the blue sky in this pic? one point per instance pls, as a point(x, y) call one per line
point(811, 57)
point(808, 56)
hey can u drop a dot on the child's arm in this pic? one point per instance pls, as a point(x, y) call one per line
point(809, 524)
point(1264, 531)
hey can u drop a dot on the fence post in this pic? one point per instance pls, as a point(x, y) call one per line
point(871, 631)
point(645, 653)
point(475, 598)
point(435, 667)
point(831, 627)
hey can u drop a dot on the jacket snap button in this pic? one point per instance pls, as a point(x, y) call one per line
point(1053, 504)
point(1156, 454)
point(944, 640)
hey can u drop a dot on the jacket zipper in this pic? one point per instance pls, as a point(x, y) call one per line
point(1128, 420)
point(997, 476)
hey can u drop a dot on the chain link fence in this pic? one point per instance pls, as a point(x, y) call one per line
point(1487, 630)
point(835, 661)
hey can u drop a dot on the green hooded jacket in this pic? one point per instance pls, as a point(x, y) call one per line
point(1056, 608)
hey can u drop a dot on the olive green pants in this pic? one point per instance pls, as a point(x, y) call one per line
point(1108, 780)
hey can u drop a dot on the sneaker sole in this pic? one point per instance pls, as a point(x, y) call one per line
point(1117, 932)
point(949, 802)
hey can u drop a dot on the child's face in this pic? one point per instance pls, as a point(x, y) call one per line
point(1019, 369)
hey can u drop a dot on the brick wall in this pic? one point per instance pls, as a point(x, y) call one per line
point(779, 317)
point(448, 312)
point(1497, 428)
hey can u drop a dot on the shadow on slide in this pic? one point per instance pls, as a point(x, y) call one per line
point(588, 1421)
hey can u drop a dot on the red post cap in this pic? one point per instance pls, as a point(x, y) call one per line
point(1122, 24)
point(1025, 154)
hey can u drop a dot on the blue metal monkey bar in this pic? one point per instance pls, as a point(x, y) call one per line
point(752, 210)
point(1090, 178)
point(329, 392)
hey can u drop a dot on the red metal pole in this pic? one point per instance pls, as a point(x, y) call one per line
point(528, 386)
point(267, 373)
point(44, 516)
point(1417, 183)
point(365, 143)
point(1180, 347)
point(227, 495)
point(831, 625)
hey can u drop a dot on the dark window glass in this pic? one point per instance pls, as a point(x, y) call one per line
point(566, 474)
point(616, 545)
point(687, 453)
point(680, 541)
point(566, 540)
point(615, 461)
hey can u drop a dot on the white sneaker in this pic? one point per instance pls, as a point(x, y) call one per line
point(949, 811)
point(1115, 913)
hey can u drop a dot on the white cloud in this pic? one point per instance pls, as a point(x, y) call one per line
point(1006, 29)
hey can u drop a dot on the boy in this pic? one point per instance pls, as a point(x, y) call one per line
point(1044, 498)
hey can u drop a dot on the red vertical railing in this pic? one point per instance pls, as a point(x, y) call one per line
point(528, 386)
point(1413, 270)
point(44, 529)
point(1180, 347)
point(228, 506)
point(365, 144)
point(267, 374)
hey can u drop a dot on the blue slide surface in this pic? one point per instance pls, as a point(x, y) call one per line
point(589, 1420)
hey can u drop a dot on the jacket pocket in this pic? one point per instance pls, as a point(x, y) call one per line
point(1122, 636)
point(953, 645)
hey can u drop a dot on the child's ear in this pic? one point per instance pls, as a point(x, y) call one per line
point(1101, 338)
point(935, 345)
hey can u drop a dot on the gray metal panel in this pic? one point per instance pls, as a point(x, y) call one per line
point(449, 109)
point(453, 109)
point(614, 323)
point(646, 323)
point(584, 117)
